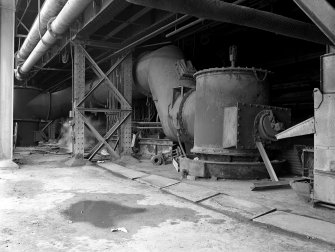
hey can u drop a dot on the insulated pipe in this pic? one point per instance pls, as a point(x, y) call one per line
point(69, 13)
point(240, 15)
point(49, 10)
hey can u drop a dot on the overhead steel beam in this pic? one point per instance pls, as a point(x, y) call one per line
point(98, 15)
point(19, 22)
point(24, 12)
point(240, 15)
point(140, 37)
point(130, 45)
point(119, 28)
point(322, 13)
point(199, 20)
point(102, 44)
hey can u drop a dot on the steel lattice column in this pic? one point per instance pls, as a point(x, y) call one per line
point(78, 94)
point(7, 22)
point(127, 67)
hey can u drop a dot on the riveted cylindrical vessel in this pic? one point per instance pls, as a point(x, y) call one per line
point(218, 88)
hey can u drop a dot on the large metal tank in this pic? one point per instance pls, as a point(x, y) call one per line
point(218, 88)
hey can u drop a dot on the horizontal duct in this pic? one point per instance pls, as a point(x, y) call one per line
point(240, 15)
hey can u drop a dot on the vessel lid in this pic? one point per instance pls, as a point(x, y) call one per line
point(231, 69)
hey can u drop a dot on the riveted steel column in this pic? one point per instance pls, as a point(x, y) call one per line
point(78, 94)
point(7, 22)
point(127, 72)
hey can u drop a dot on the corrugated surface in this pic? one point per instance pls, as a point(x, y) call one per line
point(292, 156)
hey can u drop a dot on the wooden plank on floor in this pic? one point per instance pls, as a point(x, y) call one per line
point(157, 181)
point(301, 225)
point(238, 206)
point(123, 171)
point(190, 192)
point(266, 161)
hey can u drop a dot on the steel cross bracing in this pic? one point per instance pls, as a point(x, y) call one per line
point(79, 107)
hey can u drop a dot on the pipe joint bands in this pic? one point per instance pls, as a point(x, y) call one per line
point(49, 28)
point(19, 74)
point(180, 119)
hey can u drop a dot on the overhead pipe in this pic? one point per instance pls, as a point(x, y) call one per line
point(56, 28)
point(49, 10)
point(199, 20)
point(240, 15)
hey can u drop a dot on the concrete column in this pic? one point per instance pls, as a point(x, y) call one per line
point(7, 23)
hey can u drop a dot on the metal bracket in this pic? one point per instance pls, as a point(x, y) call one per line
point(318, 98)
point(267, 161)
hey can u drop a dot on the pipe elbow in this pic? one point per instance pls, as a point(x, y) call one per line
point(19, 75)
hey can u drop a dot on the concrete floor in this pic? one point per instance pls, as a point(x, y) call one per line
point(284, 199)
point(48, 207)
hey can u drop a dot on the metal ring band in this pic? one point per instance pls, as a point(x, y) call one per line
point(180, 116)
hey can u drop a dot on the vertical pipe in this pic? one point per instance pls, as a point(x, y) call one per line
point(7, 23)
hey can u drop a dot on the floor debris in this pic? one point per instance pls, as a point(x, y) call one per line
point(121, 229)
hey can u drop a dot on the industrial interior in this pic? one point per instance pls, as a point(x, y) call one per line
point(227, 104)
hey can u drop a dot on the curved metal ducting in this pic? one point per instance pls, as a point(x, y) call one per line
point(240, 15)
point(69, 13)
point(50, 106)
point(156, 73)
point(49, 10)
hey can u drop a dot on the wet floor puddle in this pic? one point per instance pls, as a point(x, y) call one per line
point(101, 214)
point(122, 210)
